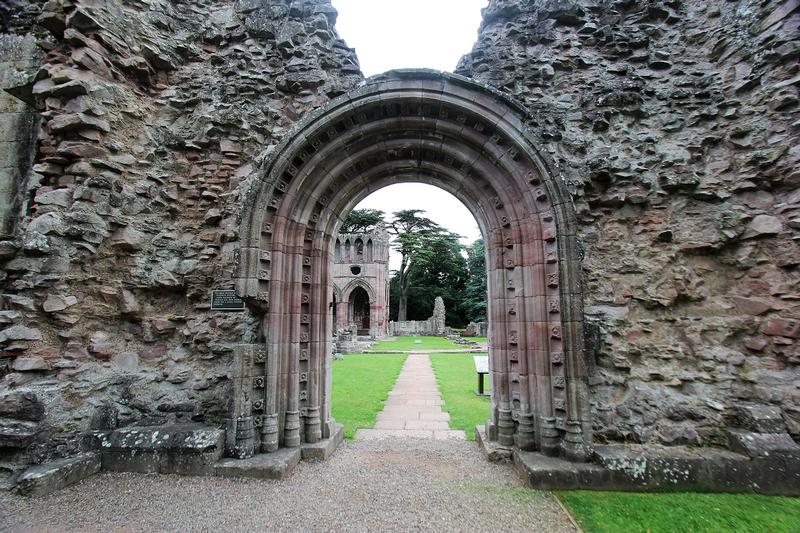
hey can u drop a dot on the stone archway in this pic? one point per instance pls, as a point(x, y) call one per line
point(359, 306)
point(449, 131)
point(347, 303)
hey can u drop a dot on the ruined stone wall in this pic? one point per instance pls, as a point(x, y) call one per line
point(19, 128)
point(434, 326)
point(371, 273)
point(675, 124)
point(153, 114)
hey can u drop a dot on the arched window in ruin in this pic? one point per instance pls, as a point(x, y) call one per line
point(358, 246)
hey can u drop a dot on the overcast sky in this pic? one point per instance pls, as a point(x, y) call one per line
point(389, 34)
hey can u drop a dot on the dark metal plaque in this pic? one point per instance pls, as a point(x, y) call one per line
point(226, 300)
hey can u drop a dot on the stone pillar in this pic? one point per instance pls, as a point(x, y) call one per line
point(342, 315)
point(437, 320)
point(19, 126)
point(240, 435)
point(269, 429)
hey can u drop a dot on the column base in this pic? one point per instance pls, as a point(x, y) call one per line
point(323, 448)
point(492, 450)
point(275, 465)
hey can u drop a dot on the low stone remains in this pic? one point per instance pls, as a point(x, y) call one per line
point(476, 329)
point(275, 465)
point(179, 449)
point(433, 327)
point(44, 479)
point(349, 341)
point(659, 468)
point(635, 165)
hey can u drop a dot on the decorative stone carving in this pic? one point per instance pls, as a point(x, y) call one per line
point(501, 176)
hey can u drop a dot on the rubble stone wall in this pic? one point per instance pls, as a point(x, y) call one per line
point(434, 326)
point(675, 124)
point(153, 113)
point(19, 123)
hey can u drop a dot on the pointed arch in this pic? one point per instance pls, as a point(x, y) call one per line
point(348, 289)
point(369, 253)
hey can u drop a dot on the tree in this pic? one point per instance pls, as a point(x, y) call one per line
point(440, 269)
point(362, 221)
point(425, 249)
point(474, 301)
point(408, 229)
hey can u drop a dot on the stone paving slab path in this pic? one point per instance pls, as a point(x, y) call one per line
point(414, 406)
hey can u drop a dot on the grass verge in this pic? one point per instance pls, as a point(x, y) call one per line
point(361, 383)
point(607, 512)
point(457, 380)
point(408, 343)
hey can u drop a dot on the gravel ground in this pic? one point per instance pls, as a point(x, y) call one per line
point(382, 485)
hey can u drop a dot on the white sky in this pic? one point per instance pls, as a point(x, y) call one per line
point(390, 34)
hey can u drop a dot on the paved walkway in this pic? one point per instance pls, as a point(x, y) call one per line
point(414, 407)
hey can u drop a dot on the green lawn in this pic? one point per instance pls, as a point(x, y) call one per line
point(612, 512)
point(457, 380)
point(361, 383)
point(407, 343)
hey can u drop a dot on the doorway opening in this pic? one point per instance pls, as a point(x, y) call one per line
point(437, 278)
point(359, 310)
point(469, 140)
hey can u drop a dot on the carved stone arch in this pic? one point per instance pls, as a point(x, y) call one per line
point(337, 291)
point(348, 289)
point(417, 125)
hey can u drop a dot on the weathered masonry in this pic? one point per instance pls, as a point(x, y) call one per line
point(634, 166)
point(361, 283)
point(469, 140)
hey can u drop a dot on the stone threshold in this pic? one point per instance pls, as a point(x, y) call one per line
point(643, 468)
point(187, 450)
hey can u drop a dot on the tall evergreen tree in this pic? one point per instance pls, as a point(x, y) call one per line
point(411, 234)
point(474, 300)
point(362, 221)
